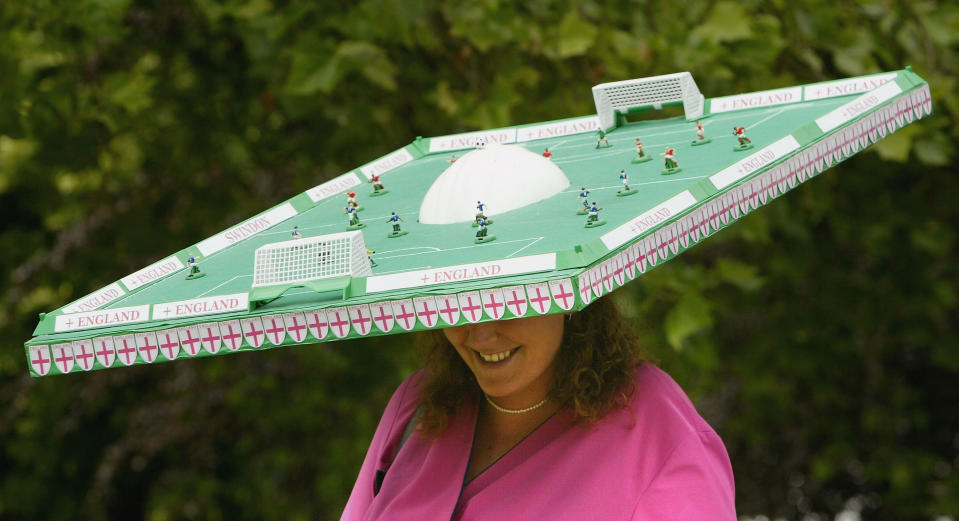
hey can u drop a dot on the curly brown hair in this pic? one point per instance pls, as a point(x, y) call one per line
point(594, 370)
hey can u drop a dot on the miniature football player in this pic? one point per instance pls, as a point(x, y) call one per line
point(601, 137)
point(701, 135)
point(378, 188)
point(482, 231)
point(194, 265)
point(639, 148)
point(350, 211)
point(624, 177)
point(699, 130)
point(480, 209)
point(296, 232)
point(669, 158)
point(593, 215)
point(740, 133)
point(547, 154)
point(395, 220)
point(452, 159)
point(583, 197)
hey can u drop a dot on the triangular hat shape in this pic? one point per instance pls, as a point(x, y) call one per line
point(615, 221)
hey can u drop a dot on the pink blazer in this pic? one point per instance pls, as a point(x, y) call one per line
point(655, 460)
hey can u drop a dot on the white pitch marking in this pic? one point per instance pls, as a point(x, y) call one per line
point(453, 249)
point(413, 248)
point(524, 247)
point(222, 284)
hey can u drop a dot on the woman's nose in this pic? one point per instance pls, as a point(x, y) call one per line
point(482, 333)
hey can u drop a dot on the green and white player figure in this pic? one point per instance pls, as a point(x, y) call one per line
point(624, 177)
point(700, 135)
point(743, 142)
point(194, 265)
point(354, 223)
point(482, 234)
point(583, 198)
point(671, 165)
point(395, 221)
point(370, 252)
point(592, 219)
point(601, 137)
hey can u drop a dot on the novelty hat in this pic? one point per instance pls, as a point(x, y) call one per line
point(481, 226)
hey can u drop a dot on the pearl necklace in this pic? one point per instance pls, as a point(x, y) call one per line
point(515, 411)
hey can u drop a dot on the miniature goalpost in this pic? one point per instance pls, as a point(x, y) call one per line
point(323, 263)
point(620, 96)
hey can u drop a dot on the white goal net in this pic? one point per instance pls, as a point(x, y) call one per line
point(647, 92)
point(309, 259)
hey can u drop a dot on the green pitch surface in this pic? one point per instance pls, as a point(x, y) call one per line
point(780, 128)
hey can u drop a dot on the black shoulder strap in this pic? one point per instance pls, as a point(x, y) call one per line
point(410, 427)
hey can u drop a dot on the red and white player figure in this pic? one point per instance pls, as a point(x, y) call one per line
point(351, 198)
point(378, 188)
point(700, 135)
point(641, 156)
point(743, 141)
point(547, 154)
point(669, 157)
point(452, 159)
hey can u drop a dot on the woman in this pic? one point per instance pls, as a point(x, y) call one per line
point(552, 417)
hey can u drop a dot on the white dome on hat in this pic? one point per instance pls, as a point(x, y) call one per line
point(503, 177)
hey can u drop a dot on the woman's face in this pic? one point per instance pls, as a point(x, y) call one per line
point(513, 360)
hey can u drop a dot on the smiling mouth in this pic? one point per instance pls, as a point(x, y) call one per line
point(496, 357)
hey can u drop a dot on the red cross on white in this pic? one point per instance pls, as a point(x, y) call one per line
point(253, 331)
point(662, 243)
point(339, 320)
point(683, 234)
point(104, 348)
point(63, 357)
point(562, 291)
point(275, 329)
point(83, 353)
point(40, 359)
point(619, 268)
point(361, 318)
point(426, 310)
point(405, 313)
point(629, 266)
point(472, 306)
point(189, 339)
point(650, 246)
point(494, 304)
point(147, 346)
point(317, 324)
point(516, 300)
point(596, 277)
point(585, 294)
point(724, 209)
point(449, 309)
point(539, 298)
point(714, 212)
point(126, 349)
point(606, 268)
point(232, 334)
point(210, 337)
point(295, 326)
point(168, 342)
point(382, 316)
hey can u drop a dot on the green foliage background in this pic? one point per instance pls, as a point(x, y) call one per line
point(818, 336)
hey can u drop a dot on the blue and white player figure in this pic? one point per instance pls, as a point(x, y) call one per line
point(192, 263)
point(295, 233)
point(593, 213)
point(584, 197)
point(350, 211)
point(624, 177)
point(480, 211)
point(482, 228)
point(395, 220)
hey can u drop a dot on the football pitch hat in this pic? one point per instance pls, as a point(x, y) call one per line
point(482, 226)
